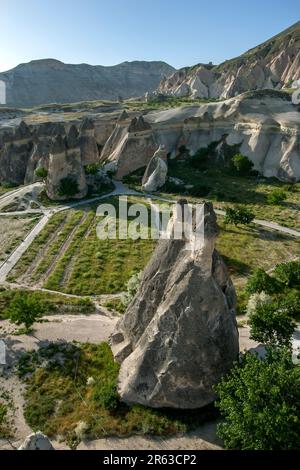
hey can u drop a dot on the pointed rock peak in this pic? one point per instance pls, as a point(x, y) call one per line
point(138, 125)
point(87, 124)
point(58, 145)
point(22, 131)
point(123, 116)
point(72, 137)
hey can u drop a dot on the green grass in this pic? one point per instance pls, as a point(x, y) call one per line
point(57, 397)
point(252, 191)
point(7, 410)
point(56, 303)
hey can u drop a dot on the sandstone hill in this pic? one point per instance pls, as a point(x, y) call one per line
point(274, 64)
point(52, 81)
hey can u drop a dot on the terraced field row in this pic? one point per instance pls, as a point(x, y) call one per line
point(69, 257)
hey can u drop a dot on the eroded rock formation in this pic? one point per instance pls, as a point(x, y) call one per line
point(65, 164)
point(179, 335)
point(37, 441)
point(156, 171)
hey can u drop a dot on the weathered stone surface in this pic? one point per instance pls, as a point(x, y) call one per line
point(156, 171)
point(179, 335)
point(272, 65)
point(37, 441)
point(65, 162)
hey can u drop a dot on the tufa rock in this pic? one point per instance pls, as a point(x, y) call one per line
point(37, 441)
point(156, 172)
point(179, 335)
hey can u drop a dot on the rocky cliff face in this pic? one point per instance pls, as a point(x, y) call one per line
point(179, 336)
point(264, 126)
point(24, 149)
point(274, 64)
point(52, 81)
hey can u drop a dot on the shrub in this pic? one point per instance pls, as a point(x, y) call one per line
point(290, 303)
point(107, 396)
point(277, 196)
point(25, 308)
point(256, 300)
point(200, 159)
point(68, 187)
point(260, 401)
point(131, 288)
point(41, 172)
point(260, 281)
point(271, 325)
point(200, 190)
point(240, 215)
point(241, 164)
point(91, 169)
point(289, 273)
point(171, 187)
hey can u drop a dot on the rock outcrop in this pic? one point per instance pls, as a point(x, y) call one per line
point(274, 64)
point(65, 166)
point(262, 125)
point(88, 144)
point(37, 441)
point(156, 172)
point(130, 146)
point(179, 335)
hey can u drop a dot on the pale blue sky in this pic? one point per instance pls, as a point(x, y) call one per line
point(107, 32)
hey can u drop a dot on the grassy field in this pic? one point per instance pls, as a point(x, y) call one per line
point(71, 392)
point(69, 257)
point(12, 231)
point(56, 303)
point(252, 191)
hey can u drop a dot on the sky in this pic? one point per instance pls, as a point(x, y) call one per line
point(107, 32)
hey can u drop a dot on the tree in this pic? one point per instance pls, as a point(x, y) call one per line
point(239, 215)
point(241, 164)
point(260, 401)
point(92, 169)
point(288, 273)
point(271, 325)
point(200, 190)
point(68, 187)
point(25, 308)
point(41, 172)
point(260, 281)
point(277, 196)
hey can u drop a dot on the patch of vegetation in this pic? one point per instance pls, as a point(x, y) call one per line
point(115, 305)
point(232, 189)
point(25, 309)
point(260, 403)
point(68, 187)
point(277, 196)
point(41, 172)
point(260, 281)
point(59, 395)
point(54, 303)
point(239, 215)
point(241, 164)
point(92, 168)
point(7, 410)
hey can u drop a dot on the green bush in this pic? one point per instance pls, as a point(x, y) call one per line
point(289, 273)
point(41, 172)
point(241, 164)
point(240, 215)
point(271, 325)
point(92, 169)
point(68, 187)
point(277, 196)
point(260, 401)
point(200, 159)
point(25, 308)
point(106, 395)
point(290, 303)
point(200, 190)
point(260, 281)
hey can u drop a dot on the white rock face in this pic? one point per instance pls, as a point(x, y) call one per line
point(156, 171)
point(274, 64)
point(263, 125)
point(37, 441)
